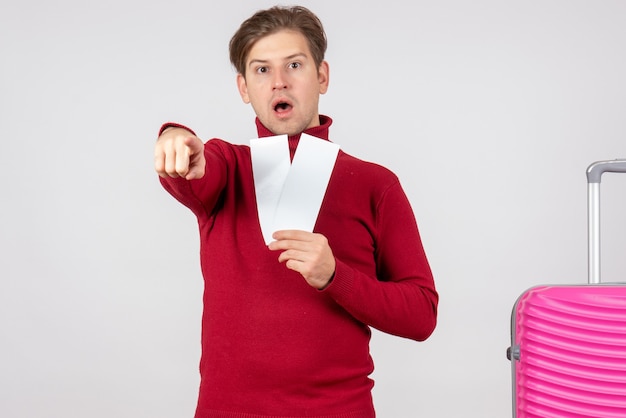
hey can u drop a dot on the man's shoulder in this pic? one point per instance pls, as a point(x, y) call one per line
point(365, 168)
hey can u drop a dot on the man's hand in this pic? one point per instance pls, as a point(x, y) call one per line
point(179, 153)
point(307, 253)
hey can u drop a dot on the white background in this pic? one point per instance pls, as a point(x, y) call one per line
point(489, 111)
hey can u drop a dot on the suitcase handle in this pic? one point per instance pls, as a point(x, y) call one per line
point(594, 177)
point(595, 170)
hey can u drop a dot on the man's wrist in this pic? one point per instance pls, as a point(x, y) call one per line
point(328, 282)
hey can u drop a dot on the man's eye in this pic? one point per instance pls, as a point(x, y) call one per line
point(294, 65)
point(261, 70)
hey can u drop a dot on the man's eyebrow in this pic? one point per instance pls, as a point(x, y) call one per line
point(290, 57)
point(296, 55)
point(256, 61)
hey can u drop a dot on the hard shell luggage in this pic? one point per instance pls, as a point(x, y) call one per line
point(568, 343)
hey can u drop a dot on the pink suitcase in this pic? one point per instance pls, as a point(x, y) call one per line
point(568, 343)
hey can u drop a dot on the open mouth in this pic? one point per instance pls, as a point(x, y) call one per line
point(282, 106)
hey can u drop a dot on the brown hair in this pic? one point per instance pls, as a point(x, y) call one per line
point(270, 21)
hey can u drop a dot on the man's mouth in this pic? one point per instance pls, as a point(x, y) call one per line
point(282, 106)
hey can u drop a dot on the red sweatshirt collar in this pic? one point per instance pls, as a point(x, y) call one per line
point(320, 131)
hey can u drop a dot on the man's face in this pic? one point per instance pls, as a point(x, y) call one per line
point(283, 83)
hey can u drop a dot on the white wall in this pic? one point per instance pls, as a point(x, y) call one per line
point(489, 111)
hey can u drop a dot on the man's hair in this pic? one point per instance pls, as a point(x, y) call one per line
point(270, 21)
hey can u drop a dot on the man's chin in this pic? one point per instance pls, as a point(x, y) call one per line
point(287, 127)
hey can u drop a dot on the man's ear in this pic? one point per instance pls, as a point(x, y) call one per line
point(243, 88)
point(323, 76)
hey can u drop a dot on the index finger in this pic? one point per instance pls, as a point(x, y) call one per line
point(292, 234)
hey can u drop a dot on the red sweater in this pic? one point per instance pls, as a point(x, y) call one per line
point(273, 346)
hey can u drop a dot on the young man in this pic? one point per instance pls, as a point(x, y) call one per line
point(285, 326)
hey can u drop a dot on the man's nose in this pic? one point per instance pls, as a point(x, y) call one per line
point(280, 80)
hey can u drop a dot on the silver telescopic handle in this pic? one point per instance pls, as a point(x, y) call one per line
point(594, 177)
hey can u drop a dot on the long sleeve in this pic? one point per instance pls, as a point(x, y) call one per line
point(402, 299)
